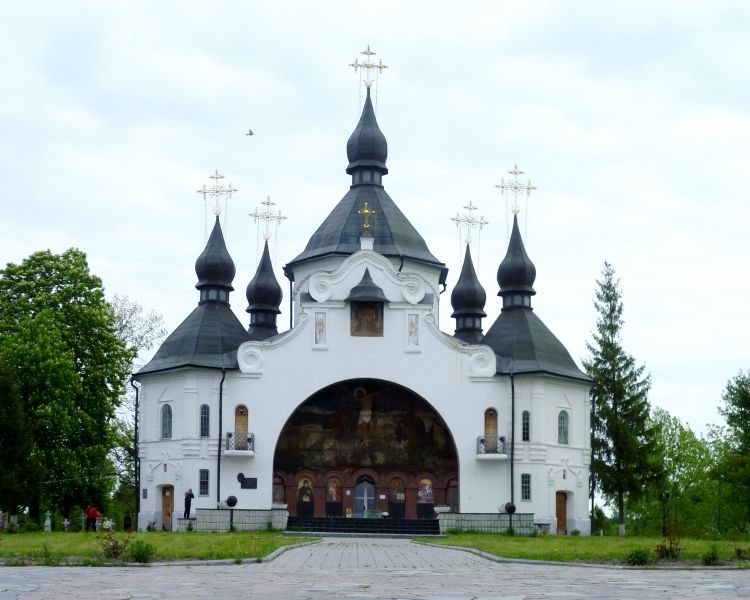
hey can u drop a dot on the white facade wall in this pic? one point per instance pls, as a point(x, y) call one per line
point(276, 376)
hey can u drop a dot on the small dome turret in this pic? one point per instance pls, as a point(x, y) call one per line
point(367, 146)
point(467, 299)
point(264, 298)
point(215, 268)
point(516, 273)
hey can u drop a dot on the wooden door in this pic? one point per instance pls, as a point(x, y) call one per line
point(562, 513)
point(167, 507)
point(490, 430)
point(240, 428)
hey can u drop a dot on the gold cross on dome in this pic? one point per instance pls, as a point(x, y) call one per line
point(513, 187)
point(469, 221)
point(368, 66)
point(366, 213)
point(220, 193)
point(268, 216)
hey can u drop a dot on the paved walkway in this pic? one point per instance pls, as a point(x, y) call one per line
point(360, 568)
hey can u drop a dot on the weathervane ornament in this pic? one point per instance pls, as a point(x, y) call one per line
point(513, 188)
point(219, 192)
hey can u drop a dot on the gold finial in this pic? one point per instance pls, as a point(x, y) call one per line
point(469, 222)
point(219, 192)
point(268, 217)
point(513, 187)
point(366, 212)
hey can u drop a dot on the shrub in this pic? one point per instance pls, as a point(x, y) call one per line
point(638, 557)
point(141, 552)
point(575, 532)
point(742, 553)
point(710, 557)
point(111, 546)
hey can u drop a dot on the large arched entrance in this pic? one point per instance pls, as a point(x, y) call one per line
point(365, 447)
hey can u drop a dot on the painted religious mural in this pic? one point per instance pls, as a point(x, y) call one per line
point(365, 423)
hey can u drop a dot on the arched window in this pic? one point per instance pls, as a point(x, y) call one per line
point(240, 428)
point(562, 427)
point(204, 420)
point(166, 422)
point(525, 486)
point(525, 426)
point(490, 430)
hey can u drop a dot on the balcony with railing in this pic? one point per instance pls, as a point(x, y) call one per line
point(491, 447)
point(239, 443)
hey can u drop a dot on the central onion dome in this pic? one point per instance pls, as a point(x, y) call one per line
point(467, 299)
point(393, 235)
point(367, 146)
point(215, 267)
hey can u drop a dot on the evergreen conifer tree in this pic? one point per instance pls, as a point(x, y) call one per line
point(623, 443)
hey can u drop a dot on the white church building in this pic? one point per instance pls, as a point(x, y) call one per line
point(364, 408)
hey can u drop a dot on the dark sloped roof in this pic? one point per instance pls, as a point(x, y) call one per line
point(209, 337)
point(393, 233)
point(525, 345)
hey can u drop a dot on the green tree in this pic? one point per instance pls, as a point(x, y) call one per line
point(735, 467)
point(16, 447)
point(624, 460)
point(140, 330)
point(59, 335)
point(689, 462)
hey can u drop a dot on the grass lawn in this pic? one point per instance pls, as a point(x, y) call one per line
point(586, 549)
point(84, 548)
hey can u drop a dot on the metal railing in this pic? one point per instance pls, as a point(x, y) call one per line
point(491, 444)
point(240, 440)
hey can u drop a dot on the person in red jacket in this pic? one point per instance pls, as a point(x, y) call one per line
point(91, 516)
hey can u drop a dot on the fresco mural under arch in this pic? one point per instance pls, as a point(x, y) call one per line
point(365, 423)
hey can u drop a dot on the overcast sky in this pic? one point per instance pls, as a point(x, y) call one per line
point(632, 120)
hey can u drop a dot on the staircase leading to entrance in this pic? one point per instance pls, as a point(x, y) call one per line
point(343, 525)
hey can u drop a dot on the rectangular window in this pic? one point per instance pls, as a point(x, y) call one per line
point(203, 487)
point(562, 427)
point(204, 420)
point(525, 486)
point(145, 493)
point(525, 426)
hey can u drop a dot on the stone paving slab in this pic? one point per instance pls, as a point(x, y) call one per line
point(366, 569)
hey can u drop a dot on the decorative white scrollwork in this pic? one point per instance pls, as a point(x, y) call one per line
point(483, 363)
point(250, 359)
point(429, 318)
point(320, 287)
point(412, 288)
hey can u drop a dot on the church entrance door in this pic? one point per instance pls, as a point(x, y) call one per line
point(562, 513)
point(364, 498)
point(167, 507)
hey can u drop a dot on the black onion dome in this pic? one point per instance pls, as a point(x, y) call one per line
point(468, 296)
point(516, 273)
point(264, 291)
point(215, 266)
point(367, 146)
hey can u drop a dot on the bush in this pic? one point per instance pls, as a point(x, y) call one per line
point(742, 553)
point(575, 532)
point(141, 552)
point(638, 557)
point(710, 557)
point(111, 546)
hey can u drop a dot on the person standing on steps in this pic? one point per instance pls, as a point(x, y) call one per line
point(188, 501)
